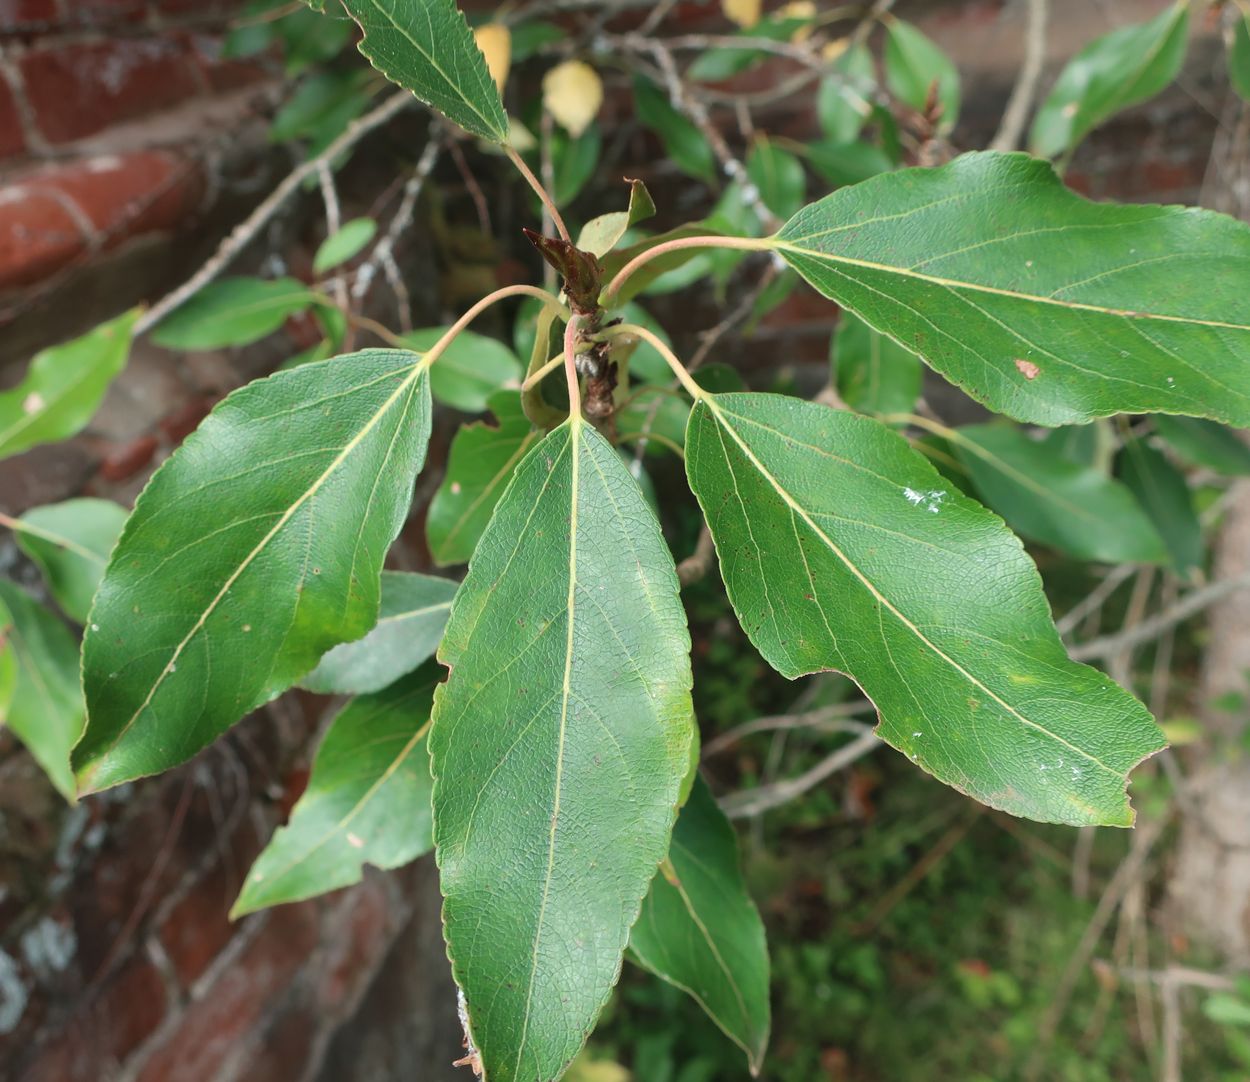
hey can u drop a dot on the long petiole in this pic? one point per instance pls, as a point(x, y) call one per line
point(655, 341)
point(539, 191)
point(535, 378)
point(570, 366)
point(436, 350)
point(747, 244)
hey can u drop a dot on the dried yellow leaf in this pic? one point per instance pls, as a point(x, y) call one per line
point(495, 41)
point(798, 9)
point(746, 13)
point(572, 93)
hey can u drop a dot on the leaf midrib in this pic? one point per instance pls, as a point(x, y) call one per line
point(1011, 294)
point(883, 601)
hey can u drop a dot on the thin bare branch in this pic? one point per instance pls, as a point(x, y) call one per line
point(1021, 101)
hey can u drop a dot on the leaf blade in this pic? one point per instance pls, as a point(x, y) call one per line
point(413, 43)
point(71, 542)
point(1111, 317)
point(367, 801)
point(587, 712)
point(700, 931)
point(63, 387)
point(865, 534)
point(313, 437)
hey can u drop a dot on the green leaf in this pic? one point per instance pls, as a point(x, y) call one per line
point(913, 64)
point(874, 373)
point(254, 549)
point(367, 801)
point(71, 542)
point(842, 548)
point(45, 709)
point(559, 744)
point(1049, 498)
point(683, 142)
point(573, 161)
point(232, 312)
point(1044, 306)
point(1113, 72)
point(778, 175)
point(426, 46)
point(1163, 493)
point(648, 273)
point(847, 163)
point(700, 931)
point(842, 101)
point(600, 235)
point(321, 109)
point(1205, 443)
point(481, 463)
point(63, 387)
point(470, 370)
point(1239, 56)
point(411, 618)
point(8, 664)
point(347, 243)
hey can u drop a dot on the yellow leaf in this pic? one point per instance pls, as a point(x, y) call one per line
point(835, 49)
point(798, 9)
point(572, 93)
point(746, 13)
point(495, 41)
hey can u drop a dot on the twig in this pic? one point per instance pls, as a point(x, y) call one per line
point(830, 719)
point(243, 233)
point(699, 562)
point(334, 222)
point(1023, 93)
point(1095, 599)
point(752, 802)
point(1125, 875)
point(1189, 605)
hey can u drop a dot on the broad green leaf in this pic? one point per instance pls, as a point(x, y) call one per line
point(1123, 68)
point(1043, 305)
point(322, 108)
point(1205, 443)
point(45, 709)
point(1239, 55)
point(348, 242)
point(559, 744)
point(426, 46)
point(700, 931)
point(254, 549)
point(63, 387)
point(842, 104)
point(8, 664)
point(232, 312)
point(841, 548)
point(308, 40)
point(573, 162)
point(1164, 495)
point(411, 618)
point(530, 36)
point(600, 235)
point(481, 463)
point(367, 801)
point(847, 163)
point(470, 370)
point(913, 64)
point(71, 542)
point(778, 175)
point(874, 373)
point(1049, 498)
point(683, 142)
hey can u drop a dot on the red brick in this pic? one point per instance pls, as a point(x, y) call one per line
point(199, 926)
point(125, 1011)
point(126, 195)
point(128, 459)
point(38, 235)
point(26, 14)
point(12, 139)
point(240, 1001)
point(284, 1048)
point(355, 947)
point(80, 89)
point(104, 12)
point(222, 74)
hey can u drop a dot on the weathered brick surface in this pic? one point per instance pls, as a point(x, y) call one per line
point(39, 233)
